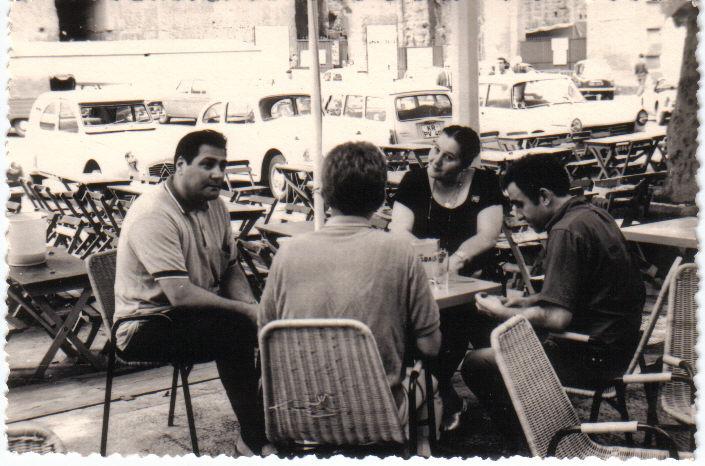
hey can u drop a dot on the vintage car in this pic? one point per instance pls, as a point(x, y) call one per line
point(594, 79)
point(551, 103)
point(394, 113)
point(267, 125)
point(189, 97)
point(108, 130)
point(659, 97)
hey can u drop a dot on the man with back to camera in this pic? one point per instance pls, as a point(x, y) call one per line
point(350, 270)
point(592, 286)
point(176, 256)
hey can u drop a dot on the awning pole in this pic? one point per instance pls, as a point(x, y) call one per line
point(465, 85)
point(318, 207)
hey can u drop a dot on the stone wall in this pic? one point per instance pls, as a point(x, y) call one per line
point(158, 19)
point(33, 20)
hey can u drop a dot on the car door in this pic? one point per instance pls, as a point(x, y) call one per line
point(176, 104)
point(352, 120)
point(497, 110)
point(43, 138)
point(197, 98)
point(71, 157)
point(333, 121)
point(376, 123)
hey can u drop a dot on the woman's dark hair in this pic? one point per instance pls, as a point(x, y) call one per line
point(468, 141)
point(354, 178)
point(533, 172)
point(188, 146)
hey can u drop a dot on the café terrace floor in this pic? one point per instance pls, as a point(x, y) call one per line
point(69, 402)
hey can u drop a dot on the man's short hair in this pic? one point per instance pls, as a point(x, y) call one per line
point(354, 178)
point(189, 145)
point(533, 172)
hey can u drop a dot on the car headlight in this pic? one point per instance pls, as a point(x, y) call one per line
point(642, 117)
point(576, 126)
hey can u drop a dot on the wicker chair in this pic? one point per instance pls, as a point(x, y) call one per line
point(677, 386)
point(32, 438)
point(101, 272)
point(324, 386)
point(614, 391)
point(549, 421)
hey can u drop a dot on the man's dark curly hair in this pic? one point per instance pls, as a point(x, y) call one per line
point(533, 172)
point(354, 178)
point(188, 146)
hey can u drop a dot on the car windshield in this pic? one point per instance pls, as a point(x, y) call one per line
point(114, 114)
point(545, 92)
point(598, 69)
point(423, 106)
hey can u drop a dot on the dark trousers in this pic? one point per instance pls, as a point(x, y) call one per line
point(207, 335)
point(576, 364)
point(460, 325)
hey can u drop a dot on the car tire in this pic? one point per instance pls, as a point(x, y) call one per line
point(275, 180)
point(20, 126)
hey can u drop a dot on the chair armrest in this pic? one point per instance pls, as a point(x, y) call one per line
point(612, 427)
point(678, 362)
point(571, 336)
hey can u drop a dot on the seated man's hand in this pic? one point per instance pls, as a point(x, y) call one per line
point(490, 305)
point(519, 301)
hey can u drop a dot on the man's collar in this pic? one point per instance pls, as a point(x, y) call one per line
point(348, 221)
point(573, 201)
point(184, 205)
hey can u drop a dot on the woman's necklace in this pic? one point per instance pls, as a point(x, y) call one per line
point(451, 199)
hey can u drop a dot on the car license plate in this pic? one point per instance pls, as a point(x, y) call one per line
point(596, 83)
point(430, 130)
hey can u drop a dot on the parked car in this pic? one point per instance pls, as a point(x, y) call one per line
point(265, 125)
point(188, 99)
point(545, 102)
point(659, 97)
point(431, 76)
point(399, 112)
point(594, 79)
point(108, 130)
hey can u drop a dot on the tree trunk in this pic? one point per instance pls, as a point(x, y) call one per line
point(681, 183)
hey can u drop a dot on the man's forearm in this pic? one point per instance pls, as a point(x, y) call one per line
point(194, 297)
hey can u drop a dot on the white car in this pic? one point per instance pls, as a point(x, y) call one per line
point(396, 113)
point(265, 125)
point(108, 130)
point(594, 78)
point(659, 97)
point(551, 103)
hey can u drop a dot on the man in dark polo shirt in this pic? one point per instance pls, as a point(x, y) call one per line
point(592, 285)
point(176, 256)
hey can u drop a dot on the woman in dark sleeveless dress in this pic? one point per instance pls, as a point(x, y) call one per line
point(457, 202)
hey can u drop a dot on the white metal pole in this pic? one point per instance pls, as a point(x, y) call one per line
point(466, 99)
point(317, 148)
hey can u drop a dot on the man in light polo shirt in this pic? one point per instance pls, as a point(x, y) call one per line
point(176, 256)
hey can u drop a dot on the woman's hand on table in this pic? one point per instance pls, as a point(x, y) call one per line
point(455, 263)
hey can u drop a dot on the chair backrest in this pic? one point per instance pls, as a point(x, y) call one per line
point(653, 316)
point(539, 399)
point(681, 324)
point(101, 273)
point(323, 382)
